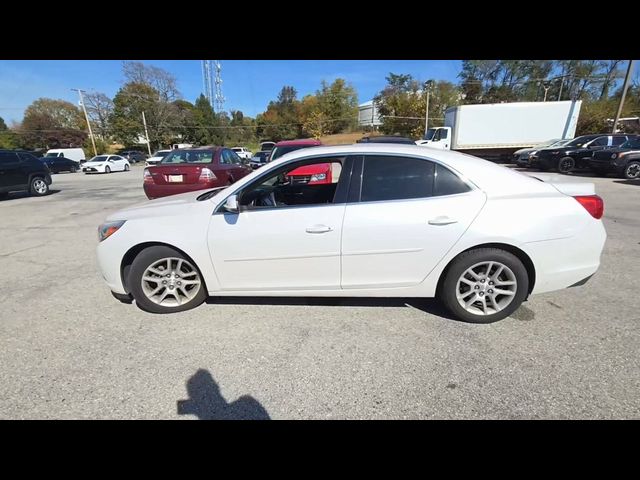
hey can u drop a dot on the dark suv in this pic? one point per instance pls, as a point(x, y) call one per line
point(575, 154)
point(624, 160)
point(23, 171)
point(134, 156)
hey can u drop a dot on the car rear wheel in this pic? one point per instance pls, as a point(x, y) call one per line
point(162, 280)
point(566, 165)
point(38, 187)
point(107, 170)
point(484, 285)
point(632, 171)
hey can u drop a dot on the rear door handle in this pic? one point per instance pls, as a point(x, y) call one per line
point(442, 220)
point(318, 229)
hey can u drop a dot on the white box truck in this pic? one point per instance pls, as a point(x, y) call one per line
point(495, 131)
point(75, 154)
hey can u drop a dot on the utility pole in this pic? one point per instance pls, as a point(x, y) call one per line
point(624, 94)
point(546, 87)
point(93, 142)
point(146, 133)
point(561, 85)
point(426, 115)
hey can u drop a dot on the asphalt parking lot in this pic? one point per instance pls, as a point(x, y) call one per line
point(69, 350)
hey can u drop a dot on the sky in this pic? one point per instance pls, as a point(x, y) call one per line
point(248, 85)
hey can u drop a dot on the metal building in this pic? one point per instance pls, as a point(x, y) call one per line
point(368, 115)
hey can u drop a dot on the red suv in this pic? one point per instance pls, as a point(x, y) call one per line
point(189, 169)
point(312, 174)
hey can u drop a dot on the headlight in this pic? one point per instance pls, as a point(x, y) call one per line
point(614, 155)
point(107, 229)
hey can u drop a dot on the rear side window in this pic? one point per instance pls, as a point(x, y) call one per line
point(617, 141)
point(448, 183)
point(396, 178)
point(26, 156)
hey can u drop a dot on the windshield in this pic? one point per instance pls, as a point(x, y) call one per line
point(430, 133)
point(560, 143)
point(633, 143)
point(578, 142)
point(277, 152)
point(162, 154)
point(188, 156)
point(99, 158)
point(236, 149)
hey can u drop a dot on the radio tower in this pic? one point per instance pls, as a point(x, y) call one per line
point(207, 81)
point(219, 99)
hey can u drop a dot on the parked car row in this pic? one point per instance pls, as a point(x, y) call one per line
point(603, 154)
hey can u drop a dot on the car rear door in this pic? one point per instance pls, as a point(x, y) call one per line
point(403, 215)
point(12, 173)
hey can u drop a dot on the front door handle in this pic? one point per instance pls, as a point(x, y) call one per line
point(442, 220)
point(318, 229)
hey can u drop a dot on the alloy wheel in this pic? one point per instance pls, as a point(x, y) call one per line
point(486, 288)
point(171, 282)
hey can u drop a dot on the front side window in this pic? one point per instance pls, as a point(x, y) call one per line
point(302, 183)
point(396, 178)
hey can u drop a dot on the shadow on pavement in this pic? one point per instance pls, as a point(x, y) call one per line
point(17, 195)
point(206, 402)
point(427, 305)
point(628, 182)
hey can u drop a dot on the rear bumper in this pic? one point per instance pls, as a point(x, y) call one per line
point(153, 190)
point(580, 258)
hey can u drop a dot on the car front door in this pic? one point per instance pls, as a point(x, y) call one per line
point(285, 236)
point(11, 171)
point(410, 212)
point(117, 162)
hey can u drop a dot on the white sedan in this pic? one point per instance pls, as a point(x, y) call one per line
point(243, 152)
point(392, 221)
point(106, 164)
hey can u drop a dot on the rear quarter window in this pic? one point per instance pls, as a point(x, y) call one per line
point(448, 183)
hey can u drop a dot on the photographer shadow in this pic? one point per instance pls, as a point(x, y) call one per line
point(206, 402)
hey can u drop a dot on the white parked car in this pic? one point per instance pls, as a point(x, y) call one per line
point(243, 152)
point(106, 164)
point(157, 157)
point(393, 221)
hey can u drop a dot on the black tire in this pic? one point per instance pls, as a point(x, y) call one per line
point(448, 288)
point(566, 165)
point(38, 187)
point(144, 260)
point(632, 170)
point(107, 169)
point(126, 168)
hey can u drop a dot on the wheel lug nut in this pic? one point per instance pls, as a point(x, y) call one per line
point(490, 283)
point(481, 293)
point(168, 275)
point(490, 291)
point(482, 281)
point(179, 283)
point(476, 287)
point(170, 287)
point(164, 282)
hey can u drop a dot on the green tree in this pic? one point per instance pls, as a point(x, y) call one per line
point(3, 126)
point(7, 137)
point(52, 123)
point(338, 104)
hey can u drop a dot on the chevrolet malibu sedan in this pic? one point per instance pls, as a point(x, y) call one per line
point(397, 221)
point(190, 169)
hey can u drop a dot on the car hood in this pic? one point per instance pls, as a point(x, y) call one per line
point(180, 204)
point(523, 150)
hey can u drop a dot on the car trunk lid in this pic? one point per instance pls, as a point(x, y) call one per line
point(176, 174)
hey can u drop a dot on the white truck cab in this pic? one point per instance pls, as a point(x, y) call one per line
point(439, 137)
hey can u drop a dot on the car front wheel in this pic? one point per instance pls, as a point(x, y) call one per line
point(566, 165)
point(484, 285)
point(107, 170)
point(162, 280)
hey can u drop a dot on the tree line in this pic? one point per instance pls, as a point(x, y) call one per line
point(333, 108)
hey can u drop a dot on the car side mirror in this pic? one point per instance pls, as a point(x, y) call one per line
point(231, 204)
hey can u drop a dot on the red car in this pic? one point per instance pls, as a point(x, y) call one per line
point(190, 169)
point(312, 174)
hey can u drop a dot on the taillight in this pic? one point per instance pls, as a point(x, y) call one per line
point(147, 178)
point(207, 175)
point(592, 204)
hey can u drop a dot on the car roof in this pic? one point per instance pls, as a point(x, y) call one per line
point(488, 176)
point(387, 139)
point(305, 141)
